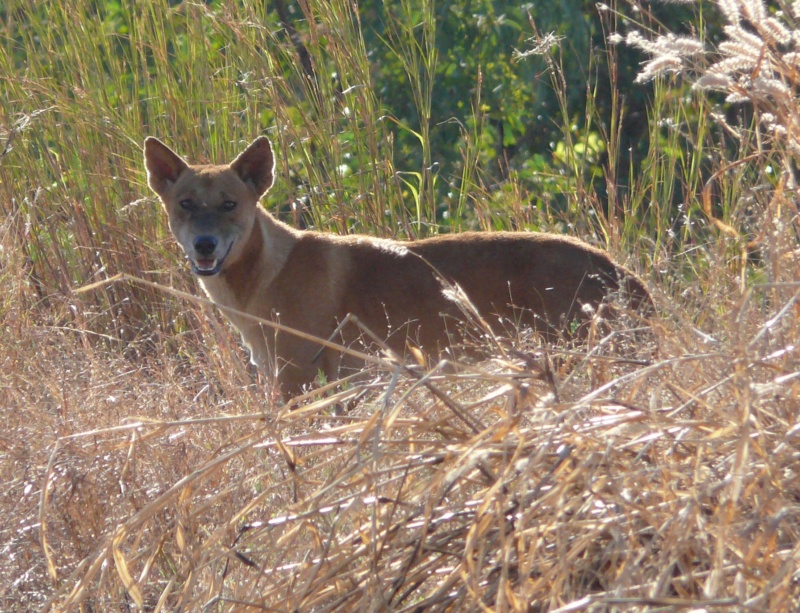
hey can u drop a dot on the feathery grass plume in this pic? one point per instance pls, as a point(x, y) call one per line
point(668, 53)
point(540, 46)
point(662, 64)
point(756, 63)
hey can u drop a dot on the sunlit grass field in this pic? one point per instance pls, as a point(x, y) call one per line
point(145, 465)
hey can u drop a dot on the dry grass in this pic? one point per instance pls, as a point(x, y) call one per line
point(536, 481)
point(146, 467)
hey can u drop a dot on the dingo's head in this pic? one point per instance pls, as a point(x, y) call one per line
point(211, 208)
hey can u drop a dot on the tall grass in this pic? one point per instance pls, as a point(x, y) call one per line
point(146, 467)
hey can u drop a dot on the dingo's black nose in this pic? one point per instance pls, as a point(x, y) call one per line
point(205, 245)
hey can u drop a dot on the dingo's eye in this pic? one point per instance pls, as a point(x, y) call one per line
point(228, 205)
point(187, 205)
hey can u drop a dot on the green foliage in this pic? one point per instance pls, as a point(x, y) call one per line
point(400, 119)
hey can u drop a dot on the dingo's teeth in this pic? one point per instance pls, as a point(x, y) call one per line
point(206, 264)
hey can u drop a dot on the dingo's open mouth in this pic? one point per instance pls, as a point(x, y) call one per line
point(208, 267)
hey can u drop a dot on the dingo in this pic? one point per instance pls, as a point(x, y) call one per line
point(249, 261)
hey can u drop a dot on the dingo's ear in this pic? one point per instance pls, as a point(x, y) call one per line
point(256, 166)
point(164, 166)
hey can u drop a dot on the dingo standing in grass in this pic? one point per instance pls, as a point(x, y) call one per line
point(249, 261)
